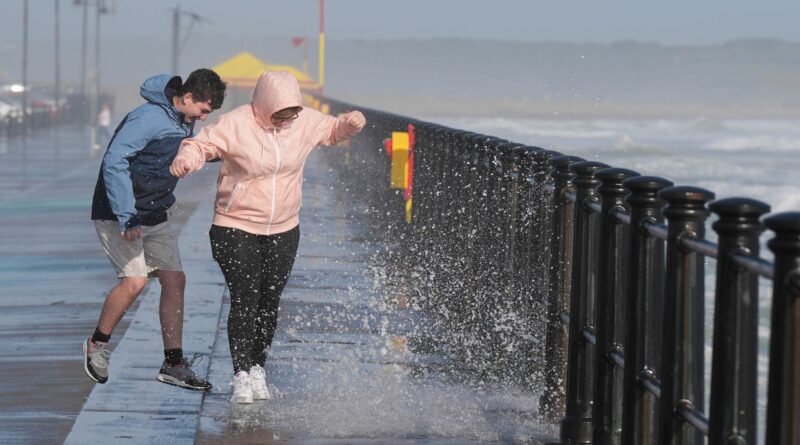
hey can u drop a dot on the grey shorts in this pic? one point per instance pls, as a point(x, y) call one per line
point(157, 249)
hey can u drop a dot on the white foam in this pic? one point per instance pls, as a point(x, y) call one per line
point(755, 158)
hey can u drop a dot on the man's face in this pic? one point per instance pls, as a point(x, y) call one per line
point(193, 110)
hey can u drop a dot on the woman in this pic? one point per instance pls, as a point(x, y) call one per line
point(263, 147)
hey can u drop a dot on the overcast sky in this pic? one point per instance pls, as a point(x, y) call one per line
point(668, 22)
point(136, 34)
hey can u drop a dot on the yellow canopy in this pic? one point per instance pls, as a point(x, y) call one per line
point(244, 69)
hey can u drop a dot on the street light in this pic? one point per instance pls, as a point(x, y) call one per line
point(25, 66)
point(321, 66)
point(100, 8)
point(85, 5)
point(177, 42)
point(57, 61)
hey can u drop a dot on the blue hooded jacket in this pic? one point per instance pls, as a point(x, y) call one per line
point(134, 186)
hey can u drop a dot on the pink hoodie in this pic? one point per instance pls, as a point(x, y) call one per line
point(261, 175)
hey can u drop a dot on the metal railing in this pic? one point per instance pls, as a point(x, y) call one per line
point(607, 267)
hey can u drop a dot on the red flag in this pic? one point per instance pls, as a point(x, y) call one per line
point(297, 41)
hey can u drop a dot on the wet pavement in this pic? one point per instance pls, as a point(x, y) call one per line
point(343, 368)
point(52, 279)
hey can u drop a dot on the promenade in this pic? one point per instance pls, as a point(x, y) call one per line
point(344, 367)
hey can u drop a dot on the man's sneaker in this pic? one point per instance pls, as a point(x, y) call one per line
point(182, 375)
point(242, 390)
point(258, 382)
point(95, 360)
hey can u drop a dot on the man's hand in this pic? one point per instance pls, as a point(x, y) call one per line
point(131, 234)
point(180, 167)
point(355, 120)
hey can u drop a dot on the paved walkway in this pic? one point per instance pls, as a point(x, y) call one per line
point(53, 279)
point(343, 367)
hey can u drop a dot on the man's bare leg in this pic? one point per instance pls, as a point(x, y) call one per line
point(175, 370)
point(173, 284)
point(95, 348)
point(118, 301)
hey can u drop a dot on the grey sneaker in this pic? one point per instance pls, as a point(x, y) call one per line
point(182, 375)
point(95, 360)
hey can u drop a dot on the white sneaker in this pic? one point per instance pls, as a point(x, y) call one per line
point(258, 381)
point(242, 390)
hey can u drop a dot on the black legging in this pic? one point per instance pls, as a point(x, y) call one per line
point(256, 268)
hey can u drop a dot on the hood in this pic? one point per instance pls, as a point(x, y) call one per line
point(159, 90)
point(274, 91)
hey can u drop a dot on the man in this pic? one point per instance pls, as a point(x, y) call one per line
point(129, 210)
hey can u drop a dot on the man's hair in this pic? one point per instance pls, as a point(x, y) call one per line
point(205, 85)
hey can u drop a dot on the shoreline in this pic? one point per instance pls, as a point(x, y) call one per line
point(553, 109)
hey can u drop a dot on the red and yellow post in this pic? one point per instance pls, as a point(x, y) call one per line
point(401, 149)
point(321, 45)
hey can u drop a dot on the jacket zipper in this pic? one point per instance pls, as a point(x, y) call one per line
point(274, 177)
point(233, 196)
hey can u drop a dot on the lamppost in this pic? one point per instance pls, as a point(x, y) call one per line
point(25, 66)
point(321, 45)
point(100, 8)
point(57, 62)
point(179, 42)
point(85, 4)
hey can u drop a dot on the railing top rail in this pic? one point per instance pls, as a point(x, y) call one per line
point(701, 246)
point(693, 416)
point(658, 230)
point(650, 382)
point(622, 216)
point(754, 264)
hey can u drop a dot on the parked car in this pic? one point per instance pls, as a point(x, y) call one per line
point(15, 101)
point(46, 101)
point(10, 109)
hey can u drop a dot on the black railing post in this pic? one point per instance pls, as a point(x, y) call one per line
point(508, 170)
point(553, 400)
point(526, 221)
point(531, 336)
point(682, 385)
point(783, 403)
point(543, 215)
point(611, 295)
point(457, 244)
point(489, 260)
point(576, 428)
point(425, 159)
point(539, 212)
point(644, 301)
point(732, 417)
point(472, 161)
point(511, 323)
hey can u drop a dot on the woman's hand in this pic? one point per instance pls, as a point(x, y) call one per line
point(180, 168)
point(355, 120)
